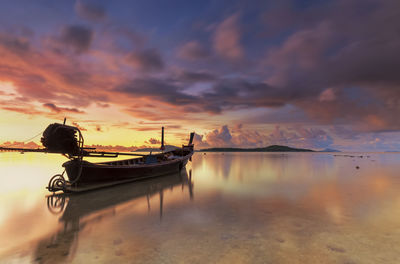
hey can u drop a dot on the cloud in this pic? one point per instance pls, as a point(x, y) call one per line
point(227, 38)
point(297, 136)
point(238, 126)
point(224, 94)
point(23, 110)
point(157, 89)
point(198, 141)
point(337, 71)
point(153, 141)
point(90, 11)
point(300, 136)
point(57, 109)
point(242, 92)
point(193, 50)
point(19, 144)
point(146, 60)
point(327, 95)
point(220, 137)
point(41, 74)
point(334, 64)
point(314, 137)
point(103, 105)
point(201, 76)
point(75, 124)
point(157, 128)
point(77, 37)
point(117, 148)
point(15, 44)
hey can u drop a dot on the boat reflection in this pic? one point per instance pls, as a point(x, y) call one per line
point(80, 210)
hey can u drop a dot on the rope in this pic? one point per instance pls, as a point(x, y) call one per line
point(80, 159)
point(29, 139)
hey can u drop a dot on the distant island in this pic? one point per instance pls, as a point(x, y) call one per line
point(329, 150)
point(273, 148)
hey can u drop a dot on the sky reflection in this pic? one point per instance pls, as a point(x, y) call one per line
point(226, 208)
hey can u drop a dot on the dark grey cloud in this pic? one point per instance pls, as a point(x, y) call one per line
point(15, 44)
point(225, 94)
point(350, 54)
point(288, 114)
point(192, 76)
point(146, 60)
point(58, 109)
point(158, 89)
point(193, 50)
point(239, 92)
point(90, 11)
point(77, 37)
point(338, 64)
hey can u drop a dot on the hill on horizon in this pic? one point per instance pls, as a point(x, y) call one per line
point(272, 148)
point(330, 150)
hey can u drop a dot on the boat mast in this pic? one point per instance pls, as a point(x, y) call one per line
point(162, 139)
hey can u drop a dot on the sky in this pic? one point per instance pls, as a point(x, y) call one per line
point(313, 74)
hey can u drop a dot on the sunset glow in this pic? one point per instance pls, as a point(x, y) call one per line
point(307, 74)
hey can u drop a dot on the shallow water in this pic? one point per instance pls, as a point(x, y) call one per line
point(225, 208)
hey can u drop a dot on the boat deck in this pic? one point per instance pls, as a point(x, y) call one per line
point(146, 160)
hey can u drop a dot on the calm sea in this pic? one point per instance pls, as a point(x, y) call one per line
point(224, 208)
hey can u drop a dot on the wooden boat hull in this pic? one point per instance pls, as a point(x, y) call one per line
point(79, 206)
point(80, 211)
point(113, 172)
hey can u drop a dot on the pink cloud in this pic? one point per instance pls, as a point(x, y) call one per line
point(220, 137)
point(298, 136)
point(90, 11)
point(153, 141)
point(227, 38)
point(338, 67)
point(19, 144)
point(146, 60)
point(193, 50)
point(327, 95)
point(199, 142)
point(75, 124)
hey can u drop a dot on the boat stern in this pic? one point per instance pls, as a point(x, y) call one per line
point(73, 169)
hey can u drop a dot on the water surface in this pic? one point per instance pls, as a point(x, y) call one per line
point(225, 208)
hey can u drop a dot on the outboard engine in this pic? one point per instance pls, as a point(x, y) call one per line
point(61, 138)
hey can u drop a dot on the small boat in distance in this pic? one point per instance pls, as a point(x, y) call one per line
point(84, 176)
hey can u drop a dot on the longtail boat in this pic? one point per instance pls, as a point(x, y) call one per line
point(83, 175)
point(79, 211)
